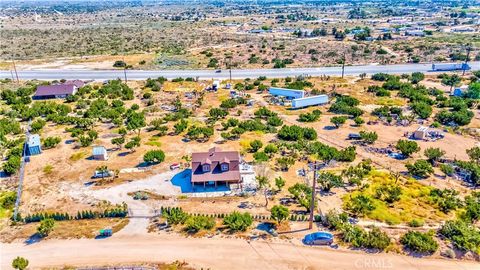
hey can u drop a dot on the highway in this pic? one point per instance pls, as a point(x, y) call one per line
point(86, 74)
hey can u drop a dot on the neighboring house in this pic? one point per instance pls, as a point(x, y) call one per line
point(55, 91)
point(100, 153)
point(216, 167)
point(33, 145)
point(77, 83)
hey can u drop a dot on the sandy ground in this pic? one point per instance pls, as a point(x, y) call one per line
point(211, 253)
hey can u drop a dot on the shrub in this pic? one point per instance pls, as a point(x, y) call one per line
point(419, 242)
point(260, 156)
point(255, 145)
point(46, 226)
point(334, 220)
point(463, 235)
point(175, 216)
point(20, 263)
point(154, 156)
point(338, 120)
point(368, 137)
point(415, 223)
point(407, 147)
point(51, 142)
point(420, 168)
point(279, 213)
point(237, 221)
point(198, 223)
point(360, 205)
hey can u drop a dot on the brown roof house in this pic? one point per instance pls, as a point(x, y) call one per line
point(216, 167)
point(55, 91)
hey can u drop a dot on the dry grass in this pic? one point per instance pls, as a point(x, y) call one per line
point(64, 229)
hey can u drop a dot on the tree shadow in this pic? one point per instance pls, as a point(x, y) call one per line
point(123, 154)
point(33, 239)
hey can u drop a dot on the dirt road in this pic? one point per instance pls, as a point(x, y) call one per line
point(211, 253)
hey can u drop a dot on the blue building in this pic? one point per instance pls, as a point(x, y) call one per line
point(309, 101)
point(288, 93)
point(34, 145)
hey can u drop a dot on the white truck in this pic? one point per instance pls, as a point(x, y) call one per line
point(450, 67)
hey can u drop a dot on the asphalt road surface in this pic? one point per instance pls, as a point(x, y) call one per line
point(205, 253)
point(86, 74)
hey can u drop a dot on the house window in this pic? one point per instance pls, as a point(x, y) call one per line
point(206, 167)
point(224, 167)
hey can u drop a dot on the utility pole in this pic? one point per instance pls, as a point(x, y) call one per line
point(312, 203)
point(469, 48)
point(125, 69)
point(343, 65)
point(15, 68)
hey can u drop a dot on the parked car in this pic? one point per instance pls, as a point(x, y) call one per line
point(218, 71)
point(318, 238)
point(174, 166)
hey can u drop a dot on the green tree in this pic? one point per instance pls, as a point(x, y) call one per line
point(328, 180)
point(279, 213)
point(433, 154)
point(279, 183)
point(303, 194)
point(119, 141)
point(135, 121)
point(20, 263)
point(368, 137)
point(451, 80)
point(264, 184)
point(46, 227)
point(237, 221)
point(255, 145)
point(474, 154)
point(358, 121)
point(407, 147)
point(417, 77)
point(420, 168)
point(154, 156)
point(360, 205)
point(338, 120)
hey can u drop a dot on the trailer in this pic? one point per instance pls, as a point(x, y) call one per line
point(309, 101)
point(288, 93)
point(450, 67)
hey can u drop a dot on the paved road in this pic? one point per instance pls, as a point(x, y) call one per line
point(212, 254)
point(52, 74)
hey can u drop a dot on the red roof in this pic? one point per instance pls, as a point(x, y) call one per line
point(77, 83)
point(214, 157)
point(55, 90)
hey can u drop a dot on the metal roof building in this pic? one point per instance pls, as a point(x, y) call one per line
point(100, 153)
point(33, 145)
point(288, 93)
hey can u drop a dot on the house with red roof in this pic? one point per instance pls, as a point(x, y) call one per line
point(216, 167)
point(57, 90)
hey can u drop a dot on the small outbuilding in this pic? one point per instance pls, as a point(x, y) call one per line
point(421, 133)
point(33, 145)
point(100, 153)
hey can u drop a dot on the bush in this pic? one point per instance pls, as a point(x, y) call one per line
point(463, 235)
point(419, 242)
point(236, 221)
point(154, 156)
point(368, 137)
point(279, 213)
point(51, 142)
point(334, 220)
point(46, 227)
point(415, 223)
point(407, 147)
point(295, 133)
point(20, 263)
point(255, 145)
point(338, 120)
point(360, 205)
point(260, 156)
point(198, 223)
point(420, 168)
point(175, 216)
